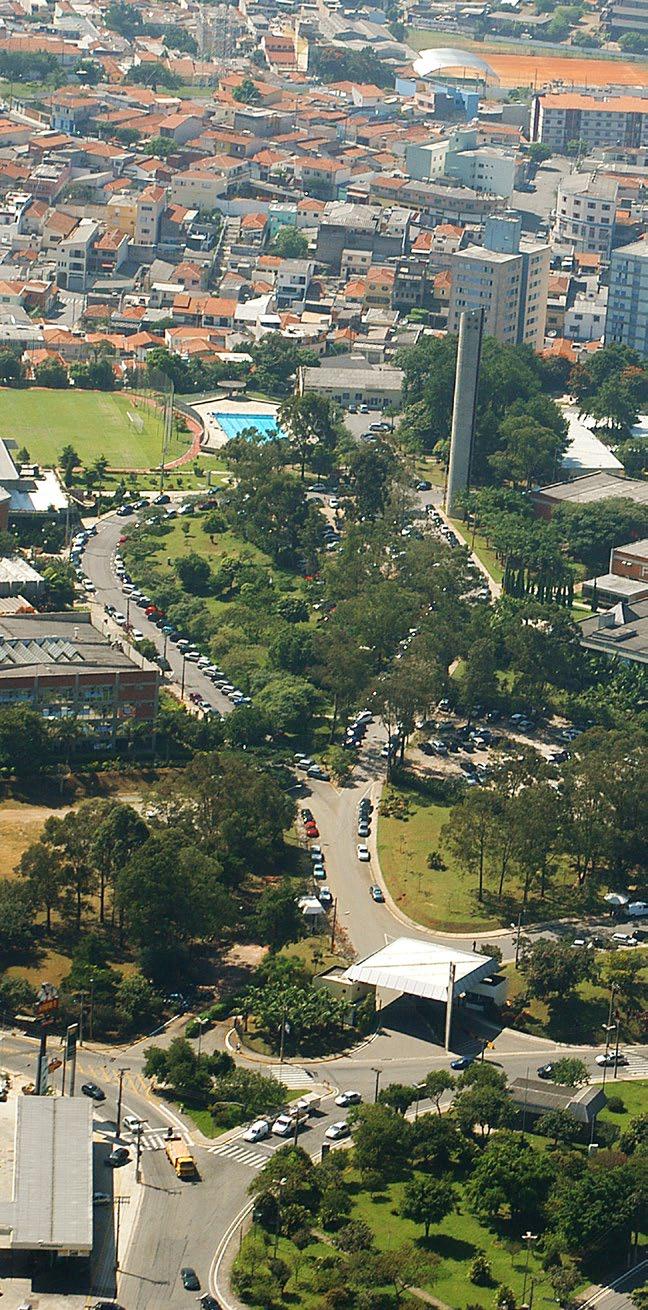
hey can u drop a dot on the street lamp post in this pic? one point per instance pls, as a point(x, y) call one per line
point(527, 1237)
point(282, 1184)
point(201, 1024)
point(184, 666)
point(377, 1072)
point(616, 1046)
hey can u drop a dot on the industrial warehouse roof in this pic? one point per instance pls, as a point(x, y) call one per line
point(51, 1207)
point(421, 968)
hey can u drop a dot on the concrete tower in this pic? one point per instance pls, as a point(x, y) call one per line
point(463, 412)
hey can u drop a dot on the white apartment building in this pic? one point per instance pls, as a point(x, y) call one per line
point(627, 314)
point(585, 212)
point(560, 117)
point(74, 255)
point(585, 319)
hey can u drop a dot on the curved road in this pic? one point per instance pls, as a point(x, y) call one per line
point(183, 1224)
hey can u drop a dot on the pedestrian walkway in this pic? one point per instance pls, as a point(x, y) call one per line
point(637, 1067)
point(153, 1140)
point(241, 1152)
point(292, 1075)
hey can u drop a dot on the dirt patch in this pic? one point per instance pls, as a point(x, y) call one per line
point(245, 957)
point(540, 70)
point(20, 825)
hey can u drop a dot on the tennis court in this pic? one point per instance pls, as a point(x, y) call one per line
point(234, 424)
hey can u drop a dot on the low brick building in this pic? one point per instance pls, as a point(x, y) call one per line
point(61, 666)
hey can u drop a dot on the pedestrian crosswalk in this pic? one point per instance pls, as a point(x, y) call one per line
point(152, 1139)
point(637, 1066)
point(292, 1075)
point(240, 1152)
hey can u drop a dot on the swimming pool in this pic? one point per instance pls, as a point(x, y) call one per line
point(234, 424)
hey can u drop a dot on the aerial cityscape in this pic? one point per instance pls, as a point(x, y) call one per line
point(323, 655)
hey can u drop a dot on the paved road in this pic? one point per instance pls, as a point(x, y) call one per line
point(184, 1224)
point(97, 563)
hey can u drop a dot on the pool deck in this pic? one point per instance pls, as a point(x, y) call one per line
point(214, 437)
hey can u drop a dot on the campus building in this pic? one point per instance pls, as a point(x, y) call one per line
point(61, 666)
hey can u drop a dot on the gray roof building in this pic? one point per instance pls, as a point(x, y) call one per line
point(537, 1097)
point(51, 1205)
point(621, 631)
point(590, 489)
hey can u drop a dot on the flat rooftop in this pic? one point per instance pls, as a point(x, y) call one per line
point(51, 1205)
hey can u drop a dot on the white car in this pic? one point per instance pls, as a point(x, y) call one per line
point(88, 585)
point(192, 655)
point(338, 1130)
point(348, 1098)
point(363, 853)
point(119, 618)
point(137, 634)
point(257, 1131)
point(284, 1126)
point(101, 1198)
point(131, 1123)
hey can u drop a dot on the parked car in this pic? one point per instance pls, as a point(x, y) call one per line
point(545, 1071)
point(190, 1279)
point(257, 1131)
point(325, 897)
point(118, 1156)
point(377, 895)
point(363, 853)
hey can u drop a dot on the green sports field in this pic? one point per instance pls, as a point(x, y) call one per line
point(94, 422)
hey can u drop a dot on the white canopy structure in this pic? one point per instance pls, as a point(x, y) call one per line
point(421, 968)
point(431, 62)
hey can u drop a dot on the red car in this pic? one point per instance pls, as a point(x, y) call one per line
point(122, 540)
point(312, 830)
point(151, 610)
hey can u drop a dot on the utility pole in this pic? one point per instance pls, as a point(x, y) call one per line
point(121, 1073)
point(140, 1130)
point(334, 924)
point(377, 1072)
point(91, 1023)
point(283, 1036)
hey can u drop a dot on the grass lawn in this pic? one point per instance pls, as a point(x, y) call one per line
point(575, 1018)
point(237, 643)
point(313, 954)
point(203, 1121)
point(634, 1096)
point(455, 1242)
point(447, 899)
point(94, 422)
point(481, 549)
